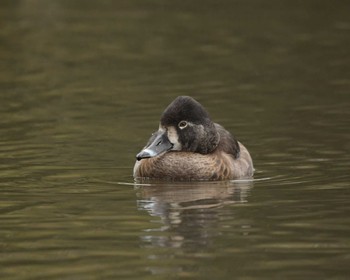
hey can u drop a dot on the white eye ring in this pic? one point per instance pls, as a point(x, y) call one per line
point(183, 124)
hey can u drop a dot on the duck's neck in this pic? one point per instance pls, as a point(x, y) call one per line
point(208, 141)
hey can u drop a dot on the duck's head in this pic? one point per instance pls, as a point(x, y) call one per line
point(184, 126)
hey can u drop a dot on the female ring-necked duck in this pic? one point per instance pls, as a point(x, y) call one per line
point(189, 146)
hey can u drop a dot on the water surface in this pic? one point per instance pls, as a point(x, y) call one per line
point(82, 86)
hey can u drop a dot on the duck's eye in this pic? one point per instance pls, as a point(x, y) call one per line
point(182, 124)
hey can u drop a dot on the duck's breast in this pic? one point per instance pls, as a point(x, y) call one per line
point(194, 166)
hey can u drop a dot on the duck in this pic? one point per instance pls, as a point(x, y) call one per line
point(189, 146)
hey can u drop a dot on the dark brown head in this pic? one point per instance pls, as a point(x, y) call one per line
point(184, 126)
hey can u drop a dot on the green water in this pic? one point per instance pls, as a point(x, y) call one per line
point(82, 86)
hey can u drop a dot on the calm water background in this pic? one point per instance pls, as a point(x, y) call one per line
point(82, 86)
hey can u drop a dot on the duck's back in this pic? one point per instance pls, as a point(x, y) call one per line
point(228, 144)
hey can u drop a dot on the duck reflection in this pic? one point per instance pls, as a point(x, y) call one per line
point(189, 212)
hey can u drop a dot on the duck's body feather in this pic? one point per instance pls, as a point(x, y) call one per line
point(193, 166)
point(189, 146)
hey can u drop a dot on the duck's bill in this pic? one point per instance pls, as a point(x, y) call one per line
point(158, 144)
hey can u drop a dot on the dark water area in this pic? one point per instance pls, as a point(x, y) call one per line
point(82, 86)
